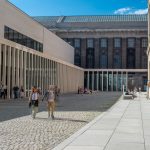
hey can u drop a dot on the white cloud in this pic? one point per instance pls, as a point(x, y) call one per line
point(122, 11)
point(129, 10)
point(141, 11)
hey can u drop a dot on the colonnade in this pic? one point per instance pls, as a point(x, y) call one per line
point(25, 67)
point(114, 79)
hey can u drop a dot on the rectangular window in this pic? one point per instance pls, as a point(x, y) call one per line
point(77, 43)
point(17, 37)
point(131, 42)
point(90, 43)
point(6, 33)
point(117, 43)
point(103, 43)
point(144, 43)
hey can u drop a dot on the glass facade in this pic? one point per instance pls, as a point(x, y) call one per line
point(19, 38)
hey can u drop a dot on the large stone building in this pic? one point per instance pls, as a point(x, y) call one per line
point(31, 55)
point(111, 48)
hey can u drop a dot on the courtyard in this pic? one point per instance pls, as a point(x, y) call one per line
point(19, 131)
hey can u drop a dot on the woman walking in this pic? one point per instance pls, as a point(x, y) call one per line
point(34, 101)
point(50, 96)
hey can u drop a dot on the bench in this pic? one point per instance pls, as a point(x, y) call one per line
point(127, 96)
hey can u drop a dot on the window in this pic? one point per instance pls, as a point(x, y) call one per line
point(77, 57)
point(117, 61)
point(117, 43)
point(144, 43)
point(90, 58)
point(103, 61)
point(77, 43)
point(90, 43)
point(70, 41)
point(103, 43)
point(131, 43)
point(17, 37)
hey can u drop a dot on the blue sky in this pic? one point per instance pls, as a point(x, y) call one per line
point(81, 7)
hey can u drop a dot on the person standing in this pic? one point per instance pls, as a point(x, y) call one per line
point(21, 92)
point(2, 91)
point(16, 91)
point(50, 96)
point(34, 101)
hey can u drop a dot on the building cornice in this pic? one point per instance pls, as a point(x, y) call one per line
point(98, 30)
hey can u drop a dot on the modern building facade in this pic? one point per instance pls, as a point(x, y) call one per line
point(111, 49)
point(32, 55)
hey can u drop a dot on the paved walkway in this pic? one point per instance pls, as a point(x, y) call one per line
point(18, 131)
point(126, 126)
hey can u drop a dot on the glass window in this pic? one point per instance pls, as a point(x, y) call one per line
point(17, 37)
point(103, 61)
point(103, 43)
point(11, 34)
point(117, 42)
point(90, 43)
point(117, 61)
point(90, 58)
point(6, 34)
point(144, 43)
point(131, 43)
point(70, 41)
point(77, 43)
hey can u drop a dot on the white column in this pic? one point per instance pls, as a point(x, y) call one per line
point(112, 83)
point(117, 80)
point(17, 68)
point(24, 72)
point(88, 79)
point(121, 81)
point(21, 68)
point(97, 81)
point(0, 62)
point(47, 72)
point(8, 73)
point(13, 68)
point(40, 72)
point(51, 72)
point(126, 80)
point(93, 80)
point(4, 65)
point(29, 73)
point(107, 80)
point(37, 71)
point(102, 80)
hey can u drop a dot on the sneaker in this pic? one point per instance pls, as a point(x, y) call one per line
point(53, 117)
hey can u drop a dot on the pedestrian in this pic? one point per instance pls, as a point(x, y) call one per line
point(5, 91)
point(139, 90)
point(50, 96)
point(16, 91)
point(21, 92)
point(56, 93)
point(34, 101)
point(2, 91)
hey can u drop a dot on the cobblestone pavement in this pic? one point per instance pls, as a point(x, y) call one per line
point(73, 112)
